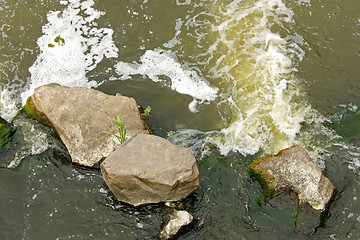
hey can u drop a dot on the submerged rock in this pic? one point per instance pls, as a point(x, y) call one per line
point(293, 169)
point(150, 169)
point(6, 135)
point(347, 125)
point(286, 209)
point(79, 115)
point(297, 191)
point(178, 220)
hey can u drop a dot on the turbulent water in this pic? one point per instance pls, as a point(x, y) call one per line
point(231, 80)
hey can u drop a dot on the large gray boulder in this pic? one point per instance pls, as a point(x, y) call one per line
point(150, 169)
point(293, 169)
point(79, 115)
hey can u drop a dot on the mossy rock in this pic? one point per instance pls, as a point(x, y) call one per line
point(293, 169)
point(6, 135)
point(30, 110)
point(263, 178)
point(281, 177)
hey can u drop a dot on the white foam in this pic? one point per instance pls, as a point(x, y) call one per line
point(37, 140)
point(183, 2)
point(8, 109)
point(304, 1)
point(158, 63)
point(84, 47)
point(283, 114)
point(172, 42)
point(264, 98)
point(193, 139)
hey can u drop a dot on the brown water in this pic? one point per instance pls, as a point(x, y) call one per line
point(232, 79)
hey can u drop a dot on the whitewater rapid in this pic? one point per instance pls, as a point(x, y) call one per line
point(241, 55)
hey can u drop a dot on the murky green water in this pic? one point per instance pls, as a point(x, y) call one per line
point(233, 79)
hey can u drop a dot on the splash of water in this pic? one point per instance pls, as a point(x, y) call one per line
point(248, 50)
point(71, 46)
point(256, 68)
point(158, 63)
point(8, 106)
point(36, 140)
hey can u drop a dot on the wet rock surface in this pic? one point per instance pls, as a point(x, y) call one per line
point(297, 192)
point(177, 222)
point(6, 135)
point(293, 169)
point(79, 115)
point(287, 210)
point(150, 169)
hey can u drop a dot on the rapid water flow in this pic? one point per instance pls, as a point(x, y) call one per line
point(231, 80)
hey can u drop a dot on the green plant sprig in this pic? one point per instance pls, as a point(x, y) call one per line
point(147, 111)
point(121, 129)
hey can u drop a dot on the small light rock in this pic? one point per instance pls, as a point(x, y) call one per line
point(178, 220)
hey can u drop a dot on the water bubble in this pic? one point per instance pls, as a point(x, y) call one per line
point(140, 225)
point(34, 197)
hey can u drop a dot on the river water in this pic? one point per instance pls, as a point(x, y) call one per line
point(231, 80)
